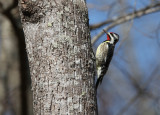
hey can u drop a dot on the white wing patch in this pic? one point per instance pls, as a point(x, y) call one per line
point(101, 55)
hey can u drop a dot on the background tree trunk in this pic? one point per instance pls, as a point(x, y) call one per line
point(15, 94)
point(9, 70)
point(60, 56)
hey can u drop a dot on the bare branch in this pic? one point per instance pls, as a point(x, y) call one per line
point(126, 107)
point(129, 76)
point(116, 21)
point(151, 77)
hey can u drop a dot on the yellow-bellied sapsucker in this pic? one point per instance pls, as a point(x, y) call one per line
point(104, 55)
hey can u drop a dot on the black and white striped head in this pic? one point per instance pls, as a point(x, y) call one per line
point(112, 37)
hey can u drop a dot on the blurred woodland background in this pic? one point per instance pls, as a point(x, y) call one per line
point(132, 83)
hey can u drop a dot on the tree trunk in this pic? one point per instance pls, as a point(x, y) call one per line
point(9, 69)
point(60, 56)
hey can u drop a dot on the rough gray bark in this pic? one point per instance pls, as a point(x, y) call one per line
point(60, 56)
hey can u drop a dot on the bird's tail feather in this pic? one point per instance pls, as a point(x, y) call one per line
point(99, 81)
point(101, 72)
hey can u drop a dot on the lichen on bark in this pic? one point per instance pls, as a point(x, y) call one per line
point(61, 59)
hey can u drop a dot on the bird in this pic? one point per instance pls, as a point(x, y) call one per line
point(104, 54)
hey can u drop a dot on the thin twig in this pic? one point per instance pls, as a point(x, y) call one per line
point(125, 108)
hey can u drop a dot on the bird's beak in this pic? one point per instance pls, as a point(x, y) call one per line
point(105, 31)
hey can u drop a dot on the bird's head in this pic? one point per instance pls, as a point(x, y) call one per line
point(112, 37)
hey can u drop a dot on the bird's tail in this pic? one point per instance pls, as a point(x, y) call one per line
point(99, 81)
point(101, 71)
